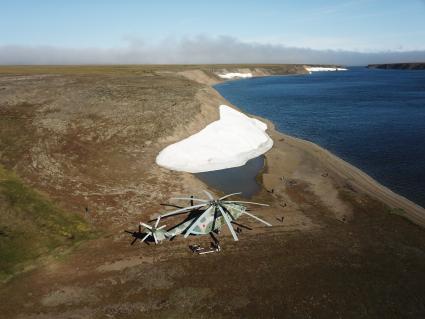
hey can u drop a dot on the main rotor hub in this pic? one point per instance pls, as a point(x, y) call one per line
point(215, 202)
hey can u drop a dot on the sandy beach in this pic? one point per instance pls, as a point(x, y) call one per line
point(341, 245)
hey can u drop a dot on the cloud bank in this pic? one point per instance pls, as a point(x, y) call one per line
point(197, 50)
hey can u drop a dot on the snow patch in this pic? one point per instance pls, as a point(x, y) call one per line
point(321, 69)
point(229, 142)
point(235, 75)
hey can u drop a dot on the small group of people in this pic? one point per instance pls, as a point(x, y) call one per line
point(216, 245)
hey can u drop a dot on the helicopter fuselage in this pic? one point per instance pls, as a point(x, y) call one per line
point(213, 221)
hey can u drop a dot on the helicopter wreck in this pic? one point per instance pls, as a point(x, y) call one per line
point(205, 218)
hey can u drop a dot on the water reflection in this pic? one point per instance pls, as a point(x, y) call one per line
point(237, 179)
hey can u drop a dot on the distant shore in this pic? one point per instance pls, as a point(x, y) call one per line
point(398, 66)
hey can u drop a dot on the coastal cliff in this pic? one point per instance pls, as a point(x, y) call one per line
point(213, 74)
point(398, 66)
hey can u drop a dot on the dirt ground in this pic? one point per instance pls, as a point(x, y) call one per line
point(89, 138)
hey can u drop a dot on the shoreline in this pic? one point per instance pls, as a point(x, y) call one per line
point(343, 171)
point(361, 181)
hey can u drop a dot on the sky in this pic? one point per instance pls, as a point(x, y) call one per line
point(165, 31)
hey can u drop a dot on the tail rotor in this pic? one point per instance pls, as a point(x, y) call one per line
point(157, 233)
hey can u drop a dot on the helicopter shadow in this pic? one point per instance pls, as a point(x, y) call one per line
point(171, 205)
point(138, 235)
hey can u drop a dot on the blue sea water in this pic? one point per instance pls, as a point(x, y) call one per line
point(374, 119)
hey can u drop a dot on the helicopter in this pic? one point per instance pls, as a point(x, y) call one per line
point(209, 216)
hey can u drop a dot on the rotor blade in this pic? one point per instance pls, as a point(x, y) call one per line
point(194, 199)
point(135, 239)
point(140, 228)
point(227, 211)
point(154, 237)
point(182, 210)
point(257, 218)
point(226, 218)
point(157, 221)
point(208, 194)
point(230, 195)
point(198, 220)
point(161, 227)
point(146, 225)
point(238, 201)
point(144, 238)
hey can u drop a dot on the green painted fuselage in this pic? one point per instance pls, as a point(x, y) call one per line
point(212, 221)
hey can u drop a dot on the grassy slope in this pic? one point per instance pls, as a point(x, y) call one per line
point(31, 226)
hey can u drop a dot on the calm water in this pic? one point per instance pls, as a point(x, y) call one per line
point(236, 179)
point(374, 119)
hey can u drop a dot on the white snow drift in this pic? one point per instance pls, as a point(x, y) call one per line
point(235, 75)
point(321, 69)
point(229, 142)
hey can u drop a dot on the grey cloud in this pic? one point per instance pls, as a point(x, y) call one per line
point(199, 49)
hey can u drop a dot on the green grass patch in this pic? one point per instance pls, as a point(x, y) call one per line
point(31, 226)
point(397, 211)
